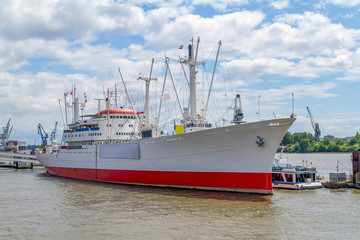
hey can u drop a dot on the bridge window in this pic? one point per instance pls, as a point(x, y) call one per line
point(277, 177)
point(289, 177)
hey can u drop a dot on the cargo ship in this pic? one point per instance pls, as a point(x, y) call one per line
point(119, 145)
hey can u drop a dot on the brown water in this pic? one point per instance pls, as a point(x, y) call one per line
point(34, 205)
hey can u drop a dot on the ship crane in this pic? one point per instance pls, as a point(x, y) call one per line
point(238, 112)
point(44, 137)
point(315, 126)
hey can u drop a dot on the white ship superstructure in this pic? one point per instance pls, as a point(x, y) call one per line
point(117, 145)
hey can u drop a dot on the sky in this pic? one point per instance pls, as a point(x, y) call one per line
point(275, 53)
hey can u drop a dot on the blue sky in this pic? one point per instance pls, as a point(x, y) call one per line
point(270, 48)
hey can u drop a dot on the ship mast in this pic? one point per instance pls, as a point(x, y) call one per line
point(66, 111)
point(191, 61)
point(147, 95)
point(76, 106)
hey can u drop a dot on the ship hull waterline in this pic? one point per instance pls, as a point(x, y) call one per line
point(228, 158)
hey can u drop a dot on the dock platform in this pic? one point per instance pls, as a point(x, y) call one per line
point(18, 160)
point(337, 185)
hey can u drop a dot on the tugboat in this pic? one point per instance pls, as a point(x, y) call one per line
point(288, 176)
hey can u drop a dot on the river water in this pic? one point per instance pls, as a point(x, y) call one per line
point(34, 205)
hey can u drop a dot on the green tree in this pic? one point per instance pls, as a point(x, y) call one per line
point(322, 147)
point(332, 147)
point(340, 142)
point(357, 136)
point(304, 142)
point(304, 145)
point(340, 146)
point(353, 141)
point(325, 142)
point(294, 147)
point(287, 139)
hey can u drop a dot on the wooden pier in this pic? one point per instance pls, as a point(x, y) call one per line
point(348, 182)
point(336, 185)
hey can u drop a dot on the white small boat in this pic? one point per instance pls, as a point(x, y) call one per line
point(285, 175)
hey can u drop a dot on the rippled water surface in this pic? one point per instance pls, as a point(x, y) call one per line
point(34, 205)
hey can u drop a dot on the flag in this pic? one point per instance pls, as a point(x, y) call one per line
point(71, 93)
point(85, 97)
point(66, 94)
point(181, 46)
point(165, 97)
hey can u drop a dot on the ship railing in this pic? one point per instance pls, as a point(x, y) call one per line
point(338, 177)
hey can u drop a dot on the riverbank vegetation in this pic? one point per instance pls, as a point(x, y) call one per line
point(305, 143)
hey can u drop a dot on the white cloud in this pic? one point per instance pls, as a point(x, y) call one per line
point(279, 4)
point(346, 3)
point(298, 35)
point(221, 5)
point(15, 54)
point(67, 19)
point(184, 27)
point(272, 97)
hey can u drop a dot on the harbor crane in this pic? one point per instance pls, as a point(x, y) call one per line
point(5, 133)
point(315, 126)
point(53, 135)
point(44, 137)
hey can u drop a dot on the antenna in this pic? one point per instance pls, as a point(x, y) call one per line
point(292, 95)
point(259, 107)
